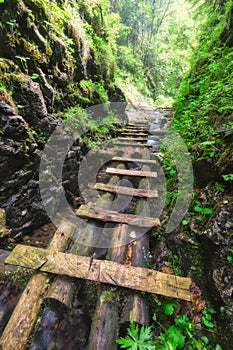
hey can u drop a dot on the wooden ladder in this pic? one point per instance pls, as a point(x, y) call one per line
point(57, 262)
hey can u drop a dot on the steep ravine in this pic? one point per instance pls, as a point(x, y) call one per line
point(53, 56)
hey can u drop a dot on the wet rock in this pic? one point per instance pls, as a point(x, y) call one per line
point(6, 109)
point(14, 126)
point(33, 100)
point(219, 232)
point(205, 171)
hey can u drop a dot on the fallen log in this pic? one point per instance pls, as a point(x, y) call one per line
point(103, 333)
point(136, 307)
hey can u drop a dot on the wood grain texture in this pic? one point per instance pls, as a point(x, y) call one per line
point(104, 271)
point(127, 191)
point(134, 132)
point(131, 144)
point(113, 216)
point(126, 172)
point(132, 138)
point(134, 160)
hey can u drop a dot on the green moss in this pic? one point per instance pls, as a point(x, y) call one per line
point(33, 51)
point(20, 277)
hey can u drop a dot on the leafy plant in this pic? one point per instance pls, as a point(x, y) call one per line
point(207, 317)
point(137, 339)
point(169, 305)
point(230, 255)
point(228, 177)
point(35, 76)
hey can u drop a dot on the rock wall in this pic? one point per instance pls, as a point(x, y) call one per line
point(53, 55)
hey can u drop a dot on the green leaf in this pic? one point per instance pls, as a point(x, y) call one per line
point(206, 320)
point(207, 143)
point(169, 306)
point(137, 339)
point(35, 76)
point(207, 211)
point(185, 222)
point(1, 1)
point(198, 209)
point(175, 336)
point(205, 339)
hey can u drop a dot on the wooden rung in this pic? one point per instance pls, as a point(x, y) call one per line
point(127, 191)
point(131, 144)
point(127, 172)
point(113, 216)
point(134, 160)
point(137, 134)
point(132, 131)
point(102, 271)
point(132, 138)
point(141, 127)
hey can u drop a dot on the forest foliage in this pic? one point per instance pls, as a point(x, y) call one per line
point(204, 105)
point(154, 44)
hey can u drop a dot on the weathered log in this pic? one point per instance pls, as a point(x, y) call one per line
point(104, 329)
point(136, 307)
point(21, 323)
point(116, 253)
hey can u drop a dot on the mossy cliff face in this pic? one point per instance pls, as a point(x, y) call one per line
point(204, 118)
point(53, 55)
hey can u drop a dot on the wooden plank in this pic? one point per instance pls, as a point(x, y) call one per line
point(131, 144)
point(21, 323)
point(134, 160)
point(136, 125)
point(104, 271)
point(138, 134)
point(127, 172)
point(127, 191)
point(141, 139)
point(113, 216)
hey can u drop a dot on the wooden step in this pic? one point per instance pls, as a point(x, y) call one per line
point(127, 191)
point(134, 160)
point(113, 216)
point(137, 134)
point(141, 127)
point(133, 131)
point(101, 271)
point(127, 172)
point(131, 144)
point(132, 139)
